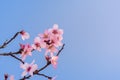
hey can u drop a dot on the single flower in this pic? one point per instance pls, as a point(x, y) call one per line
point(26, 49)
point(11, 77)
point(55, 30)
point(38, 44)
point(29, 68)
point(45, 36)
point(51, 49)
point(54, 61)
point(24, 35)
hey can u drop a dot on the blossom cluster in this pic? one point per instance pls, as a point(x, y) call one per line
point(50, 40)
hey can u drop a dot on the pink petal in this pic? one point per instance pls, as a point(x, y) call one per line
point(31, 73)
point(33, 62)
point(11, 77)
point(34, 67)
point(27, 36)
point(24, 35)
point(24, 73)
point(61, 31)
point(54, 61)
point(24, 66)
point(55, 26)
point(33, 46)
point(37, 39)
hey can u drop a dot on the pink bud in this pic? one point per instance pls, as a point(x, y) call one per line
point(47, 58)
point(24, 35)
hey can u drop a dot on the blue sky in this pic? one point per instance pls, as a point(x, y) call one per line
point(91, 34)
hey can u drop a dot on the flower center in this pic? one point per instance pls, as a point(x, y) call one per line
point(47, 42)
point(28, 69)
point(37, 44)
point(55, 32)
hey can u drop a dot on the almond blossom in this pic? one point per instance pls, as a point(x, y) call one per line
point(54, 61)
point(51, 49)
point(45, 36)
point(55, 30)
point(11, 77)
point(24, 35)
point(38, 44)
point(29, 68)
point(47, 57)
point(56, 41)
point(56, 35)
point(52, 38)
point(25, 50)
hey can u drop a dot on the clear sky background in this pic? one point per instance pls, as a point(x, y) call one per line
point(91, 34)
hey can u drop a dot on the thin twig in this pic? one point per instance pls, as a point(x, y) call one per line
point(9, 53)
point(48, 63)
point(60, 50)
point(8, 41)
point(13, 55)
point(24, 78)
point(17, 58)
point(44, 75)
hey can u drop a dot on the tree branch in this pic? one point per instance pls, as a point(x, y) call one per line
point(48, 63)
point(25, 77)
point(13, 55)
point(48, 77)
point(17, 58)
point(8, 41)
point(45, 66)
point(60, 50)
point(44, 75)
point(9, 53)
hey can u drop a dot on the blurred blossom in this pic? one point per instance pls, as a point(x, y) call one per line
point(52, 38)
point(54, 60)
point(24, 35)
point(11, 77)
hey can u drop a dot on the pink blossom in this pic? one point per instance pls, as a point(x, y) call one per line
point(29, 68)
point(52, 39)
point(56, 35)
point(52, 46)
point(11, 77)
point(54, 61)
point(24, 35)
point(38, 44)
point(25, 50)
point(55, 30)
point(51, 49)
point(52, 36)
point(56, 41)
point(45, 36)
point(47, 57)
